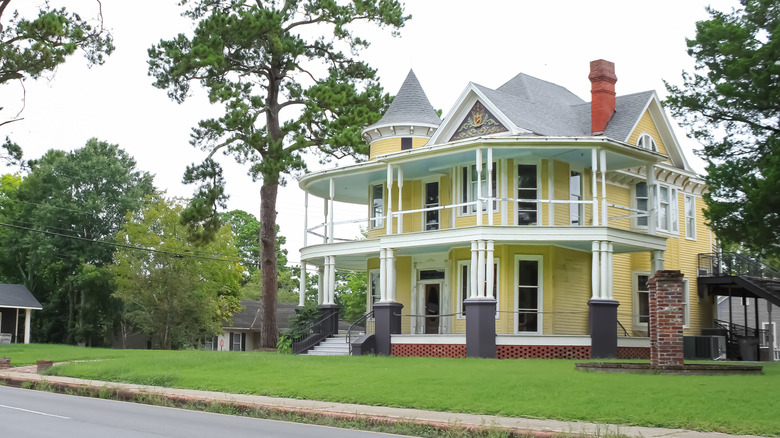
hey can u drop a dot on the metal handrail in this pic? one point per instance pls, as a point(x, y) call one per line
point(625, 332)
point(313, 333)
point(361, 322)
point(723, 264)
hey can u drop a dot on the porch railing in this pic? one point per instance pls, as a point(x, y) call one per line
point(314, 333)
point(721, 264)
point(359, 327)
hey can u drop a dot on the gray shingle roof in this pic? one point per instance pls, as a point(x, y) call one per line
point(548, 109)
point(410, 106)
point(17, 296)
point(249, 318)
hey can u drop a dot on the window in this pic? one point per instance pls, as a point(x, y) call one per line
point(576, 211)
point(464, 277)
point(237, 341)
point(769, 338)
point(646, 142)
point(469, 186)
point(665, 203)
point(211, 343)
point(642, 296)
point(431, 217)
point(377, 206)
point(406, 143)
point(528, 280)
point(527, 189)
point(690, 217)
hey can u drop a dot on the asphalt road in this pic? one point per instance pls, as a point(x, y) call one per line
point(36, 414)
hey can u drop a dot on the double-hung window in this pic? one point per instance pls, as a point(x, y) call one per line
point(528, 295)
point(527, 193)
point(374, 293)
point(690, 217)
point(576, 188)
point(464, 278)
point(665, 205)
point(377, 206)
point(642, 300)
point(431, 196)
point(469, 183)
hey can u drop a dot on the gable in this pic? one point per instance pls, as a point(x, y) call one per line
point(479, 121)
point(654, 121)
point(647, 125)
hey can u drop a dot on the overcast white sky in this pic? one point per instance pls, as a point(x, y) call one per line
point(448, 43)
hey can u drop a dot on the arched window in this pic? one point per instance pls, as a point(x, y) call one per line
point(646, 141)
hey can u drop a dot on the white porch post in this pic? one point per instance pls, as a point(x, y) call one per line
point(389, 226)
point(481, 268)
point(330, 210)
point(479, 186)
point(490, 185)
point(594, 163)
point(604, 270)
point(473, 286)
point(305, 219)
point(302, 287)
point(382, 274)
point(453, 197)
point(400, 200)
point(390, 275)
point(603, 167)
point(321, 283)
point(27, 316)
point(489, 267)
point(550, 194)
point(651, 212)
point(504, 191)
point(325, 214)
point(332, 286)
point(610, 275)
point(656, 262)
point(595, 269)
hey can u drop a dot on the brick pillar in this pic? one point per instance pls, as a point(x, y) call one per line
point(5, 362)
point(666, 319)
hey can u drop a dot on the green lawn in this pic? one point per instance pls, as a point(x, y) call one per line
point(531, 388)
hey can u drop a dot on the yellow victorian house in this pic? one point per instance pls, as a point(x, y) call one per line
point(524, 224)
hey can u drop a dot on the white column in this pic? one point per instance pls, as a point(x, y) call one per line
point(481, 268)
point(473, 286)
point(28, 315)
point(321, 283)
point(453, 197)
point(332, 287)
point(595, 269)
point(651, 212)
point(604, 270)
point(594, 163)
point(504, 191)
point(382, 274)
point(390, 275)
point(325, 214)
point(603, 167)
point(326, 281)
point(305, 219)
point(479, 185)
point(302, 286)
point(389, 226)
point(330, 210)
point(609, 277)
point(490, 269)
point(490, 185)
point(400, 200)
point(550, 194)
point(656, 262)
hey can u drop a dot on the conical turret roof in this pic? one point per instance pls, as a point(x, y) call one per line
point(410, 106)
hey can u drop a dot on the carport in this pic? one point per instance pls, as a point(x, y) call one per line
point(13, 299)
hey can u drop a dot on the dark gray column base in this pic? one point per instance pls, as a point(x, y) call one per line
point(330, 309)
point(387, 321)
point(603, 328)
point(480, 327)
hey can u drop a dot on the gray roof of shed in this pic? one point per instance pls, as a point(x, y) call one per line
point(17, 296)
point(250, 317)
point(410, 106)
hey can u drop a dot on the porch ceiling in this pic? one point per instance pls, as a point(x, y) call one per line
point(351, 182)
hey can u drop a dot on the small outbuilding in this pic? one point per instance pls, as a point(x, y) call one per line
point(13, 299)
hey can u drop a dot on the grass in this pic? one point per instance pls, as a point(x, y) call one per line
point(528, 388)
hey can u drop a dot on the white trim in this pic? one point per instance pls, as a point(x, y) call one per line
point(22, 307)
point(692, 198)
point(644, 136)
point(635, 324)
point(455, 339)
point(459, 312)
point(633, 342)
point(552, 340)
point(556, 340)
point(539, 292)
point(515, 175)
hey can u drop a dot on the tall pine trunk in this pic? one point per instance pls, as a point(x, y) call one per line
point(268, 192)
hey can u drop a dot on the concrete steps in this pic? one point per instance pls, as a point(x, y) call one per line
point(333, 346)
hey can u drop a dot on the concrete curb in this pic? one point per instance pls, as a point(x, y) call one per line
point(379, 414)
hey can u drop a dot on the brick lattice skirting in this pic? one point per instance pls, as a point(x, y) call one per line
point(633, 353)
point(429, 350)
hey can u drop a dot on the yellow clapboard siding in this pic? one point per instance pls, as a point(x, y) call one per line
point(389, 145)
point(646, 125)
point(571, 290)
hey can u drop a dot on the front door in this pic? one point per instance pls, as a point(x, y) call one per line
point(432, 307)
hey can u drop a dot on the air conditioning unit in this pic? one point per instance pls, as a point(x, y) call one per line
point(704, 347)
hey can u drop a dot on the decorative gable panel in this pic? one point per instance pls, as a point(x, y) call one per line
point(479, 121)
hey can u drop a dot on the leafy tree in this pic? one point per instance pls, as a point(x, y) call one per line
point(56, 219)
point(351, 289)
point(31, 47)
point(731, 104)
point(180, 292)
point(287, 86)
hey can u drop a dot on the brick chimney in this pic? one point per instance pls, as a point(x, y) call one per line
point(602, 89)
